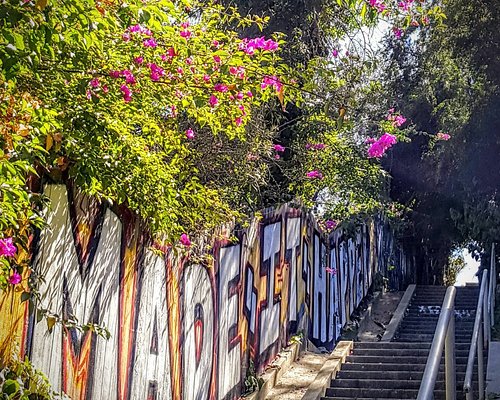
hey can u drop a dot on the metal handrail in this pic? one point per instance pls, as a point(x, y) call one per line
point(480, 338)
point(444, 337)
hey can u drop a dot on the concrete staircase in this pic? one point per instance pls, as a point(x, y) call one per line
point(393, 370)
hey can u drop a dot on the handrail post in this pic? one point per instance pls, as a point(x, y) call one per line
point(478, 341)
point(480, 364)
point(449, 352)
point(493, 282)
point(442, 338)
point(486, 320)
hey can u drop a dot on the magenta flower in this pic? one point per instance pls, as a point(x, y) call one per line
point(279, 148)
point(150, 43)
point(215, 44)
point(126, 37)
point(370, 140)
point(171, 52)
point(238, 121)
point(127, 93)
point(105, 89)
point(213, 101)
point(180, 71)
point(314, 175)
point(206, 78)
point(190, 134)
point(15, 278)
point(335, 53)
point(114, 74)
point(379, 147)
point(398, 33)
point(217, 59)
point(239, 96)
point(443, 136)
point(249, 94)
point(332, 271)
point(399, 120)
point(186, 33)
point(156, 72)
point(319, 146)
point(139, 60)
point(330, 224)
point(88, 94)
point(7, 247)
point(129, 77)
point(184, 240)
point(219, 87)
point(95, 83)
point(185, 25)
point(271, 81)
point(189, 60)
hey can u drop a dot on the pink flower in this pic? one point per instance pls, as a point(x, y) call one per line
point(249, 94)
point(127, 93)
point(239, 96)
point(186, 34)
point(180, 71)
point(15, 278)
point(150, 43)
point(215, 44)
point(217, 59)
point(105, 89)
point(184, 240)
point(94, 83)
point(206, 78)
point(390, 110)
point(7, 247)
point(139, 60)
point(88, 95)
point(443, 136)
point(378, 5)
point(319, 146)
point(335, 53)
point(308, 146)
point(185, 25)
point(219, 87)
point(332, 271)
point(330, 224)
point(156, 72)
point(126, 37)
point(271, 81)
point(379, 147)
point(370, 140)
point(399, 120)
point(238, 121)
point(171, 52)
point(129, 77)
point(398, 33)
point(250, 45)
point(314, 175)
point(213, 101)
point(114, 74)
point(190, 134)
point(189, 61)
point(279, 148)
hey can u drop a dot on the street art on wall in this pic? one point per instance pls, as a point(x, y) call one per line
point(180, 328)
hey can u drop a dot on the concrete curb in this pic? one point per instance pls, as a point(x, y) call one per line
point(333, 364)
point(399, 314)
point(275, 371)
point(492, 378)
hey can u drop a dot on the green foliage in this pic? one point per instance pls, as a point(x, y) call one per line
point(20, 380)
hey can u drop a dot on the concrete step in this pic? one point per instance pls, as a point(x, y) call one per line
point(372, 393)
point(364, 367)
point(395, 359)
point(391, 345)
point(401, 352)
point(396, 375)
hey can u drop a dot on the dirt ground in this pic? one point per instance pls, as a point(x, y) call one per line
point(302, 373)
point(297, 379)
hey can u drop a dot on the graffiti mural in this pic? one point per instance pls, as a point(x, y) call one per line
point(182, 329)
